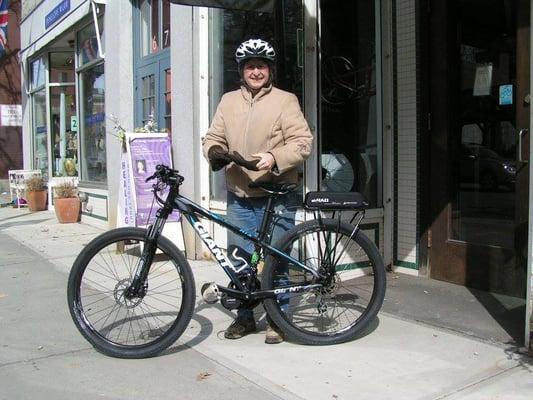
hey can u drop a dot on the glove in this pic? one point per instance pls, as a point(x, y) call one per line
point(218, 157)
point(248, 164)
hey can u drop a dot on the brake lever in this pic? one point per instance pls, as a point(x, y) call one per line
point(151, 177)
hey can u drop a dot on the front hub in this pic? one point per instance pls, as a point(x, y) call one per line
point(123, 295)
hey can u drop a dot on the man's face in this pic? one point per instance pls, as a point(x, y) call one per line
point(256, 73)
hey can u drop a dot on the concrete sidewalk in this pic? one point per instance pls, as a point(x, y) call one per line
point(397, 359)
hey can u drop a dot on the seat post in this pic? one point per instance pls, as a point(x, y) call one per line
point(266, 218)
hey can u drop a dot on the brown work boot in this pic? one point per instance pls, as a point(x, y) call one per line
point(240, 327)
point(273, 335)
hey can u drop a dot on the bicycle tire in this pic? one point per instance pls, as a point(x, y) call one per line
point(133, 328)
point(359, 280)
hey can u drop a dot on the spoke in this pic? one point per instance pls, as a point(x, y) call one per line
point(161, 266)
point(100, 273)
point(110, 269)
point(106, 289)
point(121, 326)
point(127, 261)
point(166, 283)
point(101, 311)
point(154, 317)
point(98, 293)
point(108, 315)
point(164, 302)
point(154, 277)
point(96, 301)
point(350, 244)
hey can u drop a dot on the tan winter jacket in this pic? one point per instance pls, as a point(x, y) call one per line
point(272, 121)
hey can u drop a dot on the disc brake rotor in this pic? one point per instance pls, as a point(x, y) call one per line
point(120, 297)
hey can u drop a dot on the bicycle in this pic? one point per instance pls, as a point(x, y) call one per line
point(131, 292)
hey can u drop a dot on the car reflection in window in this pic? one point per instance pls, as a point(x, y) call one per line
point(486, 169)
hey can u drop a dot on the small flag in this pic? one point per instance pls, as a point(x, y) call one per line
point(4, 16)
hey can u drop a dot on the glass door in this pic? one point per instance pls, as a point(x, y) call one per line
point(63, 115)
point(480, 150)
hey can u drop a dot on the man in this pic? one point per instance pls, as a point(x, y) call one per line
point(265, 129)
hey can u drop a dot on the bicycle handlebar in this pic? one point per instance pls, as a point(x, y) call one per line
point(166, 175)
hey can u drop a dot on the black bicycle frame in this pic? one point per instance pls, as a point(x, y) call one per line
point(191, 211)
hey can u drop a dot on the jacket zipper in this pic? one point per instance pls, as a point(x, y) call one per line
point(246, 155)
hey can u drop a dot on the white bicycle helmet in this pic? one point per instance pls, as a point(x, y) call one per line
point(255, 48)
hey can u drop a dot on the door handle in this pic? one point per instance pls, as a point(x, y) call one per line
point(520, 136)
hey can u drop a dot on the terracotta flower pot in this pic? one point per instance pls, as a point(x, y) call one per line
point(67, 209)
point(37, 200)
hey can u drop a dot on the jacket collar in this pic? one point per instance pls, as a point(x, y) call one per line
point(248, 95)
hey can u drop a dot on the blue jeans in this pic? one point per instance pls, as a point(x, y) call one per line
point(247, 213)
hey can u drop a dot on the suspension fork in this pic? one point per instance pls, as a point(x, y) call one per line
point(139, 283)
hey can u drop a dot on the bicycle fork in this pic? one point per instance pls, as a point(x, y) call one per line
point(139, 283)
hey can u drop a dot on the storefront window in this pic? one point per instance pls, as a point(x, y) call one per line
point(38, 104)
point(155, 26)
point(40, 138)
point(228, 29)
point(38, 72)
point(88, 43)
point(168, 100)
point(349, 145)
point(93, 140)
point(148, 98)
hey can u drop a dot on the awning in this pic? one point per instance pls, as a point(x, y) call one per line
point(35, 36)
point(247, 5)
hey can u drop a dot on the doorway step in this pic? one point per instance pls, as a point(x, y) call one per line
point(482, 315)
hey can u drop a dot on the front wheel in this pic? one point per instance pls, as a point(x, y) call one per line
point(352, 291)
point(127, 326)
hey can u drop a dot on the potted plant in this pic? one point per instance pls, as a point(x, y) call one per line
point(36, 193)
point(66, 203)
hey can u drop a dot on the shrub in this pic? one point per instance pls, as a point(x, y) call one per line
point(35, 184)
point(65, 190)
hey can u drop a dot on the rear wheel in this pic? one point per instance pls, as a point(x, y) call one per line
point(130, 326)
point(351, 294)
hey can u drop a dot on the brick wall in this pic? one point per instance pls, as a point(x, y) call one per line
point(11, 136)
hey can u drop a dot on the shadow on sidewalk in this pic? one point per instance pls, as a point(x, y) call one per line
point(470, 312)
point(5, 225)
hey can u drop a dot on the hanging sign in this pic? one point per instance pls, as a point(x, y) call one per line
point(10, 115)
point(506, 95)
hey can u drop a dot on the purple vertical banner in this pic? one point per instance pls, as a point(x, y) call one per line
point(146, 152)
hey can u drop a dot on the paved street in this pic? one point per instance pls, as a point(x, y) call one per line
point(43, 356)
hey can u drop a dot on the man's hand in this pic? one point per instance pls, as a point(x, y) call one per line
point(266, 161)
point(218, 157)
point(248, 164)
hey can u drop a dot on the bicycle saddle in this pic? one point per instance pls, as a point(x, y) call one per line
point(279, 188)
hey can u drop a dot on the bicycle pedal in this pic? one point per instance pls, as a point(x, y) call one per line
point(210, 292)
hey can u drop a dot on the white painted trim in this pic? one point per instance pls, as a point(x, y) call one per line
point(406, 271)
point(311, 82)
point(388, 130)
point(202, 47)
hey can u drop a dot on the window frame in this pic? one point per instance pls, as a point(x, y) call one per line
point(79, 71)
point(157, 63)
